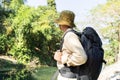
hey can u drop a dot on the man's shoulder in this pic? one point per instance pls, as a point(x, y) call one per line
point(71, 35)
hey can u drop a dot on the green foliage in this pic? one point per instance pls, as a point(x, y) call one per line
point(43, 73)
point(52, 4)
point(33, 32)
point(21, 29)
point(10, 70)
point(30, 32)
point(2, 18)
point(22, 74)
point(109, 15)
point(3, 43)
point(22, 54)
point(15, 5)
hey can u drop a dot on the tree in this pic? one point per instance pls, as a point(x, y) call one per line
point(109, 15)
point(30, 32)
point(52, 4)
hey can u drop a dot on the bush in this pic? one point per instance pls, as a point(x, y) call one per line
point(3, 43)
point(20, 74)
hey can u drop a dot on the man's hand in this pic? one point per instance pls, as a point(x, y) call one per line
point(57, 56)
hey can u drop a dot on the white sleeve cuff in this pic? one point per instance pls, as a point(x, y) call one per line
point(64, 58)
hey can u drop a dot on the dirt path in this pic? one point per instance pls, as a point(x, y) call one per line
point(8, 58)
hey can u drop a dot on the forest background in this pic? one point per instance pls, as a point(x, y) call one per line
point(29, 34)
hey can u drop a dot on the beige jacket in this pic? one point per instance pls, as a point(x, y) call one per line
point(73, 53)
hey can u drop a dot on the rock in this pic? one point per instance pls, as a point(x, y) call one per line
point(111, 72)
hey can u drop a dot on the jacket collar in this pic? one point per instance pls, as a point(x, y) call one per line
point(69, 29)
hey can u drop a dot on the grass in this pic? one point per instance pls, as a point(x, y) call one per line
point(44, 73)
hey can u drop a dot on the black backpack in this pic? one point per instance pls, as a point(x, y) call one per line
point(92, 45)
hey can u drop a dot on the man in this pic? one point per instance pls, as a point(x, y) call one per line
point(72, 53)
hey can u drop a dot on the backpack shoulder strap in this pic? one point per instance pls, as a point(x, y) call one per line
point(62, 40)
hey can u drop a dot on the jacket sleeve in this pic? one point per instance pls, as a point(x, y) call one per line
point(73, 52)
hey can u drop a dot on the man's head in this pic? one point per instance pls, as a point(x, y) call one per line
point(66, 18)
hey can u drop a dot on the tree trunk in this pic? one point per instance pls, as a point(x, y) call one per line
point(118, 59)
point(119, 44)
